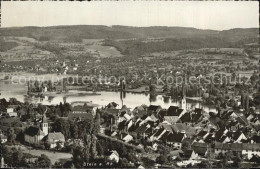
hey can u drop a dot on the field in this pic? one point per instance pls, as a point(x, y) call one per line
point(103, 51)
point(53, 156)
point(25, 50)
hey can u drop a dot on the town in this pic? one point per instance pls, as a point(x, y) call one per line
point(170, 85)
point(83, 134)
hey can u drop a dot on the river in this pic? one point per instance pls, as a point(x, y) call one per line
point(131, 100)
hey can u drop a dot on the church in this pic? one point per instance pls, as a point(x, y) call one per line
point(40, 133)
point(34, 134)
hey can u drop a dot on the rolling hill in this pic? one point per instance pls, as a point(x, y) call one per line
point(125, 32)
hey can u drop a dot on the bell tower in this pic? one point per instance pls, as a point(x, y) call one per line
point(183, 99)
point(44, 124)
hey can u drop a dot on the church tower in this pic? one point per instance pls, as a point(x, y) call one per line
point(44, 124)
point(183, 99)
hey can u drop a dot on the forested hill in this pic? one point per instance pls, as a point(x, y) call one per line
point(79, 32)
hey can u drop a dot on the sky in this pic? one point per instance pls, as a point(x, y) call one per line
point(198, 14)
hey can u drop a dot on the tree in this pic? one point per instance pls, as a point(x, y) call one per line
point(96, 128)
point(186, 146)
point(237, 159)
point(162, 159)
point(17, 158)
point(78, 157)
point(100, 148)
point(66, 109)
point(43, 162)
point(41, 109)
point(11, 136)
point(148, 163)
point(123, 163)
point(74, 130)
point(255, 159)
point(93, 146)
point(63, 126)
point(204, 164)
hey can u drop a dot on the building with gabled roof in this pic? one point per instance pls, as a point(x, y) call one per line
point(33, 135)
point(54, 139)
point(113, 155)
point(246, 149)
point(3, 138)
point(153, 109)
point(176, 139)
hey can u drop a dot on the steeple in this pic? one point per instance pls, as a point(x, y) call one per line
point(183, 98)
point(44, 124)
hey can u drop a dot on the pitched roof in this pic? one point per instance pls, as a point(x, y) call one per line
point(164, 136)
point(238, 146)
point(153, 117)
point(152, 108)
point(167, 127)
point(198, 110)
point(112, 111)
point(202, 133)
point(174, 111)
point(33, 131)
point(113, 152)
point(141, 129)
point(180, 127)
point(186, 154)
point(175, 137)
point(2, 137)
point(171, 119)
point(234, 135)
point(51, 137)
point(209, 138)
point(256, 139)
point(162, 113)
point(80, 115)
point(159, 132)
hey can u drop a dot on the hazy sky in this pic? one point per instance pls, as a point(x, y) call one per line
point(200, 14)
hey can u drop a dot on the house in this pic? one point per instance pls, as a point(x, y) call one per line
point(255, 139)
point(250, 150)
point(114, 112)
point(157, 135)
point(221, 137)
point(55, 139)
point(139, 166)
point(200, 148)
point(155, 146)
point(10, 110)
point(182, 128)
point(153, 109)
point(189, 155)
point(173, 114)
point(246, 149)
point(167, 127)
point(126, 138)
point(202, 134)
point(113, 156)
point(161, 114)
point(192, 117)
point(112, 105)
point(80, 112)
point(236, 137)
point(3, 138)
point(176, 139)
point(144, 130)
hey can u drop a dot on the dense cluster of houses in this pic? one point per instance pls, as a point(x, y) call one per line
point(171, 127)
point(176, 125)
